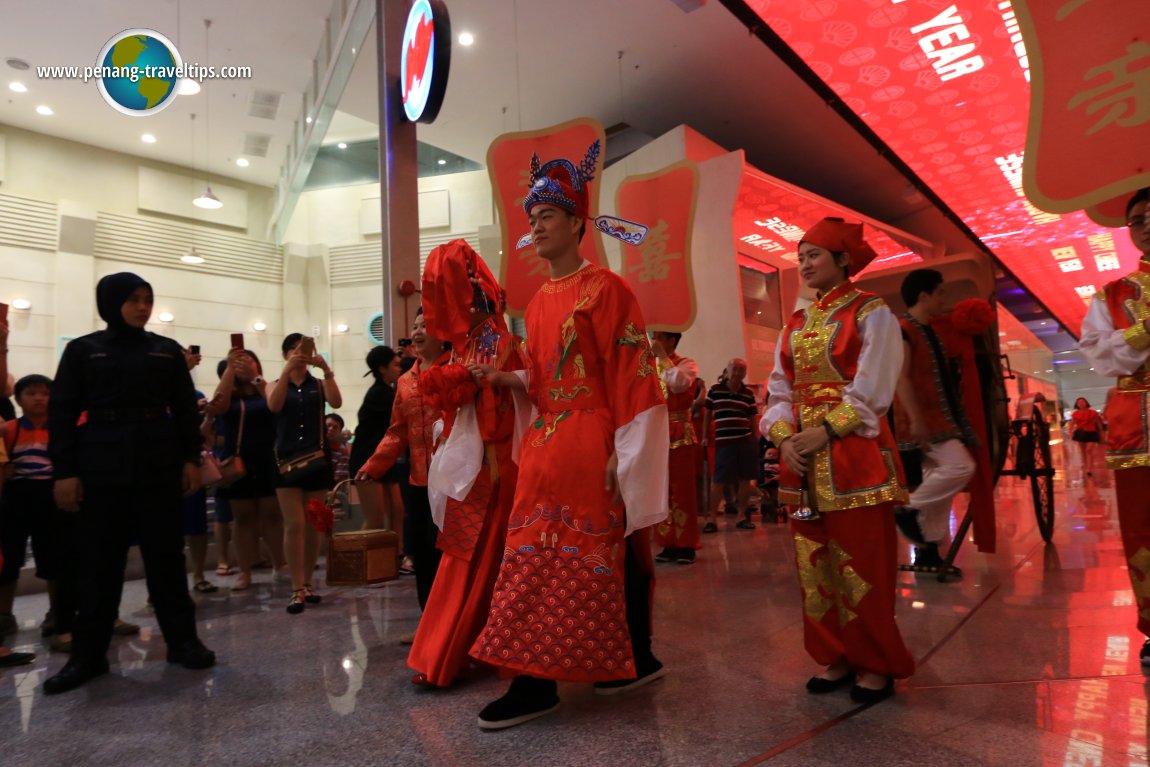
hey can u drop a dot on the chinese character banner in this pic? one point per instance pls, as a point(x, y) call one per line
point(946, 86)
point(1090, 100)
point(509, 165)
point(659, 269)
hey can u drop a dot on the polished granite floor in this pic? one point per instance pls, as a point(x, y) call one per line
point(1032, 659)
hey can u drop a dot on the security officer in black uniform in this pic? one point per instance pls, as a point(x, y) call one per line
point(125, 444)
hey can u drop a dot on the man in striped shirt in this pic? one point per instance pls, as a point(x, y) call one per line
point(30, 512)
point(731, 405)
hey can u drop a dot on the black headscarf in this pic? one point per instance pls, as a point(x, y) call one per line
point(111, 293)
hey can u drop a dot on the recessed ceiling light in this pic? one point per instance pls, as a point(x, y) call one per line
point(342, 145)
point(308, 119)
point(242, 162)
point(466, 38)
point(192, 258)
point(341, 328)
point(166, 317)
point(441, 161)
point(17, 87)
point(148, 138)
point(44, 110)
point(260, 326)
point(23, 304)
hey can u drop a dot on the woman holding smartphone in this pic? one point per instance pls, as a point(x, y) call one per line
point(248, 429)
point(298, 400)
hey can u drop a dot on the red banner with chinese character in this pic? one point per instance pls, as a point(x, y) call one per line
point(659, 269)
point(1089, 101)
point(509, 164)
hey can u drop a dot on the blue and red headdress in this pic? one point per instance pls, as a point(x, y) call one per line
point(563, 184)
point(560, 183)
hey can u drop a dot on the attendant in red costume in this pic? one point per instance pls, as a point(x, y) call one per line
point(678, 534)
point(836, 369)
point(572, 601)
point(471, 482)
point(1116, 338)
point(413, 418)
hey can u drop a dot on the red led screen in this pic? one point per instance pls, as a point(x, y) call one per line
point(946, 87)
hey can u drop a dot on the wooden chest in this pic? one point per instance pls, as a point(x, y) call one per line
point(360, 557)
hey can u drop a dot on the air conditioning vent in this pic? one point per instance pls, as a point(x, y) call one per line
point(375, 329)
point(256, 144)
point(264, 104)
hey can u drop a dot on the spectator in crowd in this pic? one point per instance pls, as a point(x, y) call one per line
point(1086, 429)
point(298, 400)
point(731, 406)
point(29, 511)
point(195, 514)
point(337, 446)
point(380, 500)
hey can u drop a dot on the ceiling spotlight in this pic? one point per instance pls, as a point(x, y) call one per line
point(242, 162)
point(148, 138)
point(208, 200)
point(166, 317)
point(342, 145)
point(44, 110)
point(17, 87)
point(23, 304)
point(341, 328)
point(308, 119)
point(466, 38)
point(192, 257)
point(441, 161)
point(260, 326)
point(186, 86)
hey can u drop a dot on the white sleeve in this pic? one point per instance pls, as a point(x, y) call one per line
point(1108, 349)
point(778, 394)
point(682, 376)
point(880, 363)
point(642, 449)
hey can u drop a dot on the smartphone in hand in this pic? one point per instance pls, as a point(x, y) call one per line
point(237, 340)
point(307, 347)
point(3, 312)
point(194, 348)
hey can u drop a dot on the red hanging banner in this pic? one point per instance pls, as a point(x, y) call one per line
point(1089, 101)
point(509, 163)
point(659, 269)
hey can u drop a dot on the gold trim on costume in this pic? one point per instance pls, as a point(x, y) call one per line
point(814, 572)
point(844, 419)
point(780, 430)
point(1137, 337)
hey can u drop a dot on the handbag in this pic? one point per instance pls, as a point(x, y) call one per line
point(298, 467)
point(225, 472)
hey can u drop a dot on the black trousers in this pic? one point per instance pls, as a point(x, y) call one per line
point(422, 535)
point(29, 511)
point(638, 589)
point(110, 520)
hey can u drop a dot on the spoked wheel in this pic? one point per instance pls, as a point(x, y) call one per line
point(1042, 481)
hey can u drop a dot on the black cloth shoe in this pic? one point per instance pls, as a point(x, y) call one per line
point(868, 695)
point(745, 524)
point(192, 654)
point(527, 698)
point(906, 517)
point(16, 659)
point(75, 673)
point(666, 555)
point(685, 557)
point(649, 671)
point(710, 527)
point(816, 685)
point(1144, 656)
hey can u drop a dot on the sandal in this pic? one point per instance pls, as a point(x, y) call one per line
point(242, 583)
point(223, 570)
point(295, 605)
point(205, 587)
point(310, 596)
